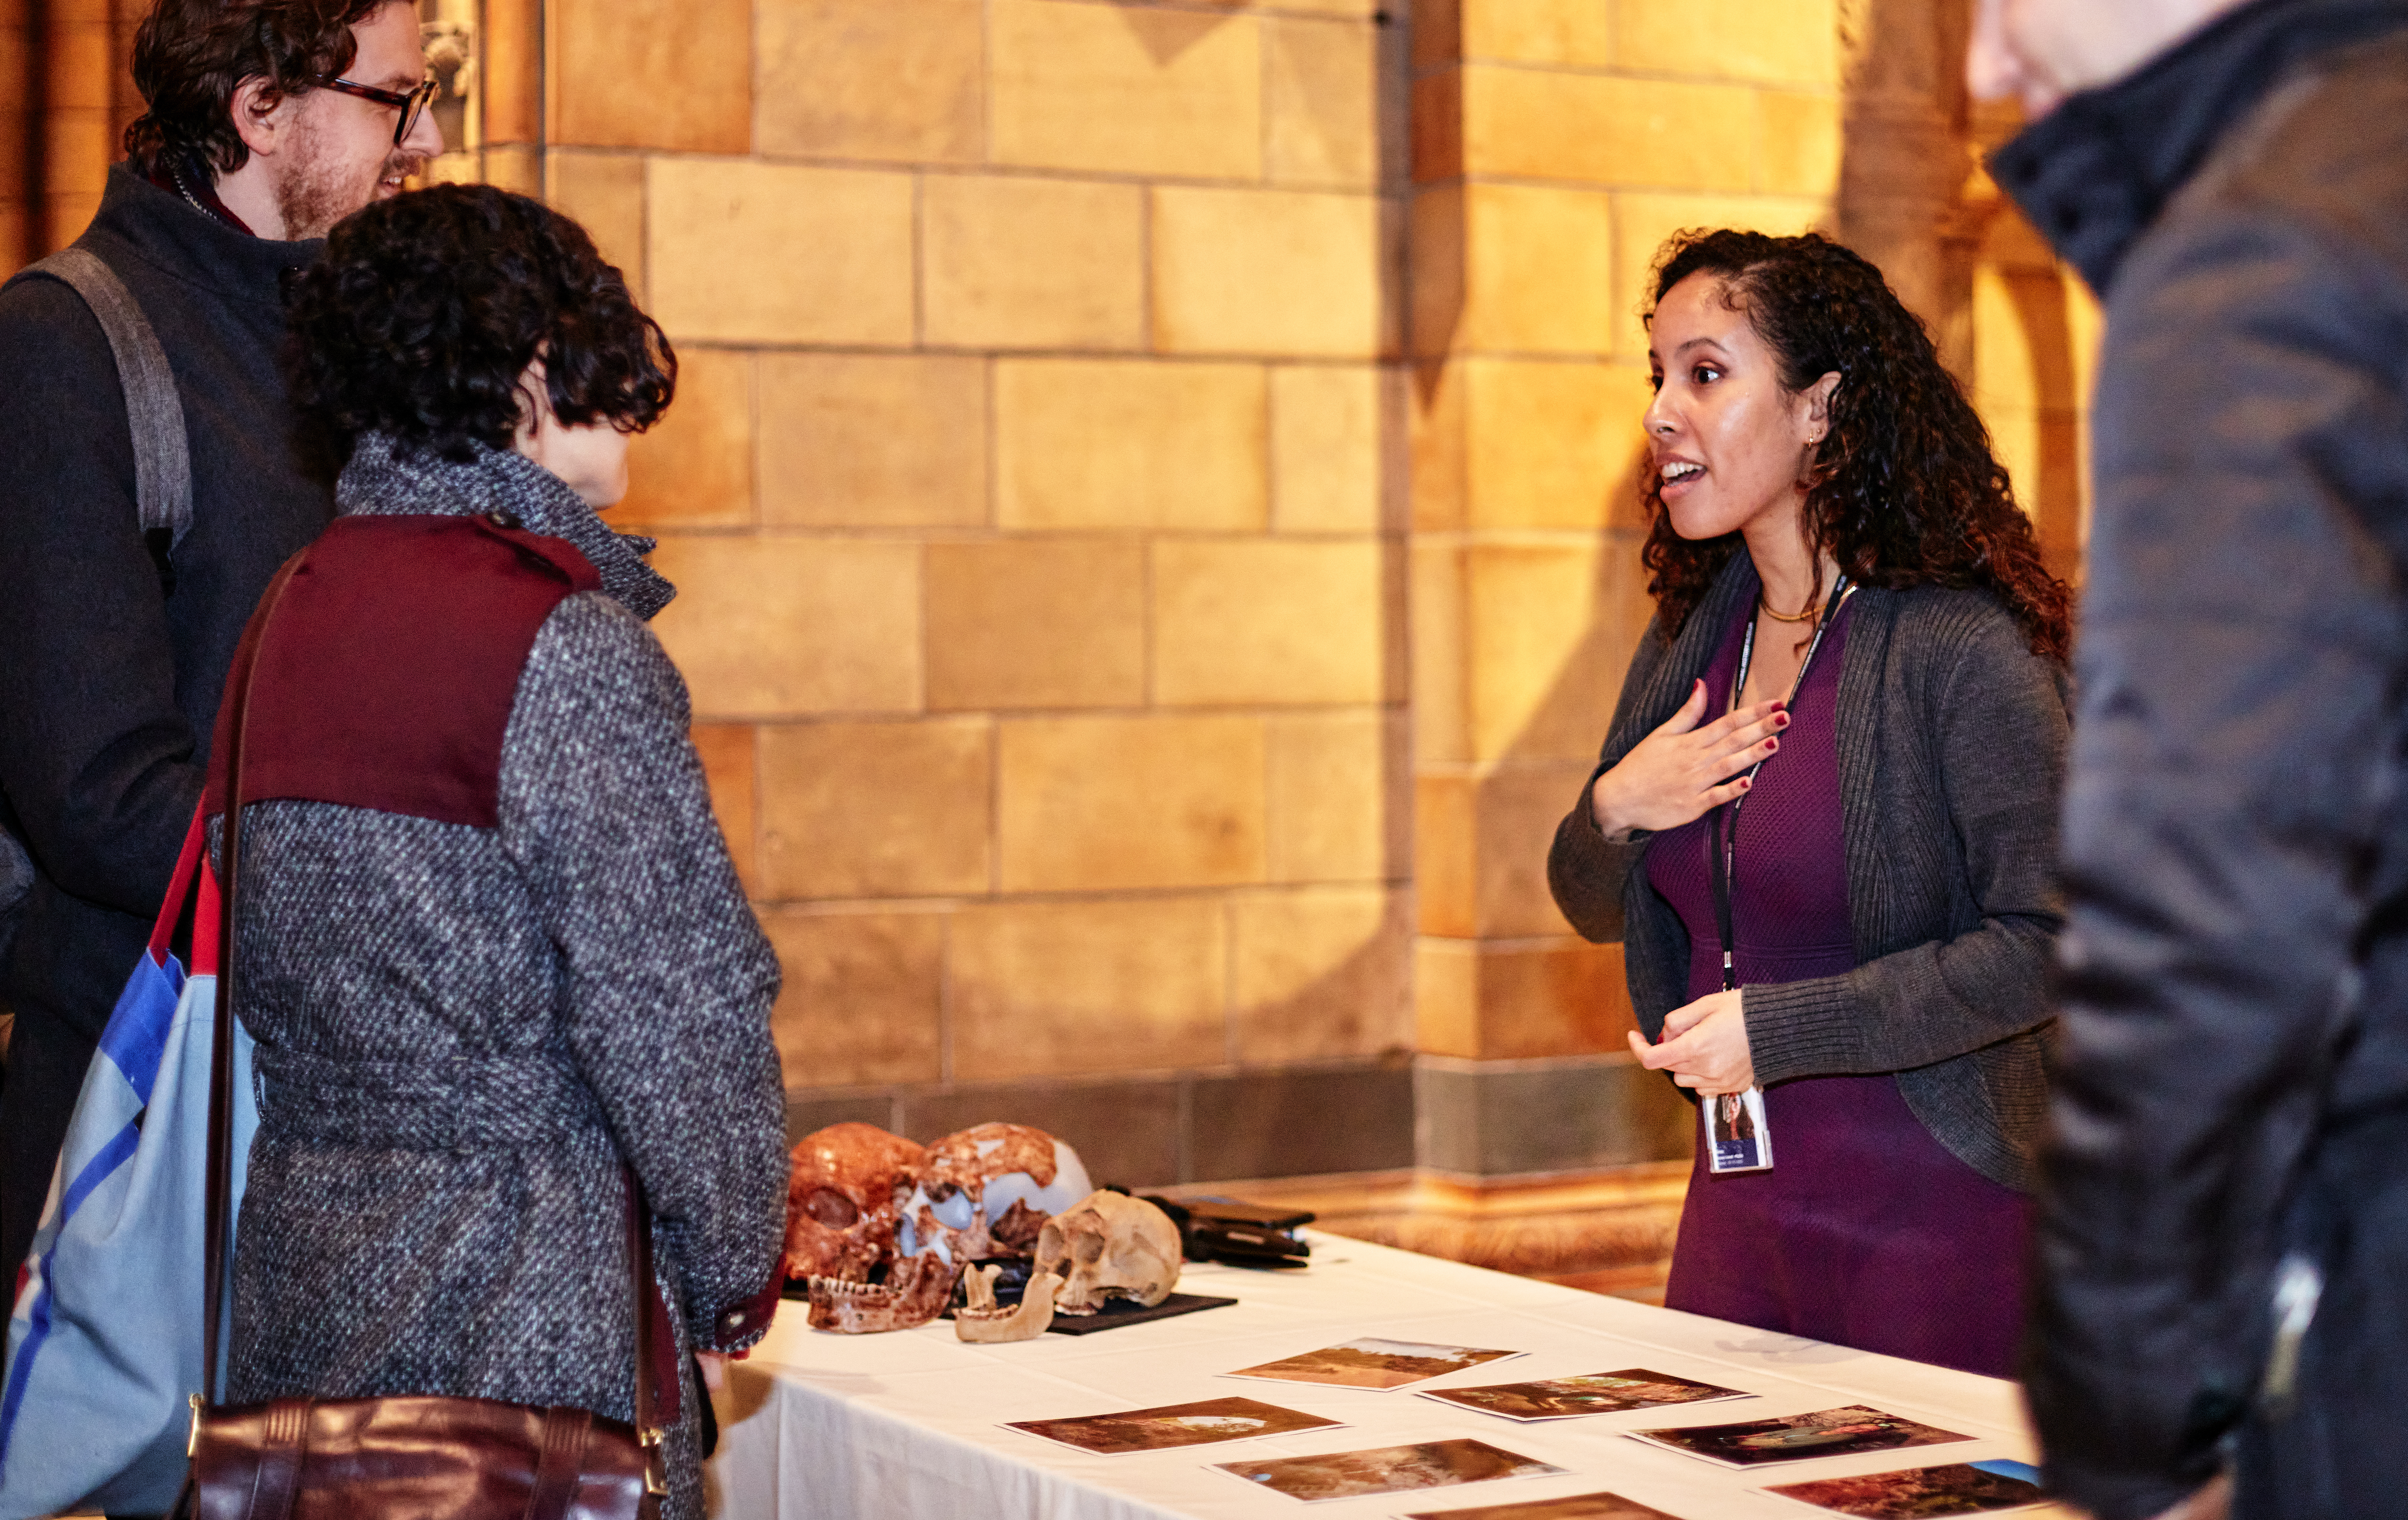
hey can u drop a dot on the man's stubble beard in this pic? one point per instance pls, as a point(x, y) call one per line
point(319, 190)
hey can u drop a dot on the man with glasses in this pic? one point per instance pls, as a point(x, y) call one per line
point(268, 122)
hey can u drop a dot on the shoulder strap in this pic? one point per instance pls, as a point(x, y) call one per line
point(163, 460)
point(217, 1211)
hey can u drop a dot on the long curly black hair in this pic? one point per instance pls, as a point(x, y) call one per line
point(427, 309)
point(1905, 490)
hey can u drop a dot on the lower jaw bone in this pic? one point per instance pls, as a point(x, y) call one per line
point(987, 1322)
point(914, 1294)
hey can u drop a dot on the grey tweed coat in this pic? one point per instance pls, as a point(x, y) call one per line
point(463, 1030)
point(1952, 759)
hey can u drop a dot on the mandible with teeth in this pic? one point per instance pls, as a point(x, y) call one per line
point(845, 1195)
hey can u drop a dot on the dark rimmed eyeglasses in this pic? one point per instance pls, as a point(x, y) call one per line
point(412, 103)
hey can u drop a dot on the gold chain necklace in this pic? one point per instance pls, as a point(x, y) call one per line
point(1767, 609)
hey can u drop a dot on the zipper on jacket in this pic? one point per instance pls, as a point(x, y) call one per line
point(2297, 1285)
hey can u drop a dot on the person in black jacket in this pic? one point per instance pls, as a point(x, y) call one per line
point(268, 121)
point(2222, 1304)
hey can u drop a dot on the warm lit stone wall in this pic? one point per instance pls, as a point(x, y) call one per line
point(1153, 486)
point(64, 100)
point(1555, 144)
point(16, 128)
point(1034, 488)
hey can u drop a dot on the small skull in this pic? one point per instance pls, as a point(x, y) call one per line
point(988, 1190)
point(844, 1205)
point(1110, 1245)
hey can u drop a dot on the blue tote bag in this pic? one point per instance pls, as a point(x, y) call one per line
point(105, 1341)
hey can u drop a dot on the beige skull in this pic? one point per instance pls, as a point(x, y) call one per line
point(844, 1201)
point(1110, 1245)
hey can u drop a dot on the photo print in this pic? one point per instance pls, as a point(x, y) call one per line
point(1387, 1470)
point(1578, 1507)
point(1592, 1393)
point(1922, 1492)
point(1851, 1430)
point(1373, 1363)
point(1173, 1425)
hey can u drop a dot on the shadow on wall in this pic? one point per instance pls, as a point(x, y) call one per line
point(1166, 34)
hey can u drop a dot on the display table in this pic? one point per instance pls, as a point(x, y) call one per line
point(908, 1425)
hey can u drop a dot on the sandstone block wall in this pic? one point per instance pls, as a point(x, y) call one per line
point(1037, 490)
point(1553, 147)
point(1154, 484)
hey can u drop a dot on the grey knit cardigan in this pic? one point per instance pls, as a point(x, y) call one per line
point(1952, 755)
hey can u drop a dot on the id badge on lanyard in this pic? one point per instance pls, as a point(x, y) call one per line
point(1738, 1136)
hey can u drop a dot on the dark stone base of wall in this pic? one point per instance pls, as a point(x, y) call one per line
point(1468, 1119)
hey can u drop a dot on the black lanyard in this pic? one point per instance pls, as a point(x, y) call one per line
point(1719, 857)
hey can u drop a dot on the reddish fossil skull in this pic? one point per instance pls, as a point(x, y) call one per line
point(844, 1202)
point(987, 1190)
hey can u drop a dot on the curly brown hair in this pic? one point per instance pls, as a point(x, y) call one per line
point(427, 309)
point(1905, 491)
point(190, 56)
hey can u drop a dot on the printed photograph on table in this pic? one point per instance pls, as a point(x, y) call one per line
point(1578, 1507)
point(1173, 1425)
point(1922, 1492)
point(1851, 1430)
point(1592, 1393)
point(1373, 1363)
point(1387, 1470)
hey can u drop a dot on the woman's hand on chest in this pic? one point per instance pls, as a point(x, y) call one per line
point(1685, 767)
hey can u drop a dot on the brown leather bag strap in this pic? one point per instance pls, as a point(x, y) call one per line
point(651, 1324)
point(561, 1463)
point(285, 1442)
point(218, 1215)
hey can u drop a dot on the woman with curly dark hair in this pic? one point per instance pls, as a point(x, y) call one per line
point(1823, 823)
point(491, 946)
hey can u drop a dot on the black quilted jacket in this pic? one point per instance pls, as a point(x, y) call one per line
point(2235, 962)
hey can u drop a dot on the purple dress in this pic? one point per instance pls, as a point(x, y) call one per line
point(1865, 1232)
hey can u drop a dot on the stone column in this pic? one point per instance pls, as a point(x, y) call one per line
point(515, 48)
point(1556, 142)
point(19, 100)
point(1907, 160)
point(74, 139)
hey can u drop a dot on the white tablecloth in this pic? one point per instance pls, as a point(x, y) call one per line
point(908, 1425)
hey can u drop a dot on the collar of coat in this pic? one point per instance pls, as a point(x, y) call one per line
point(385, 480)
point(2093, 174)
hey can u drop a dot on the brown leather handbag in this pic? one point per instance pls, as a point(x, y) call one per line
point(424, 1458)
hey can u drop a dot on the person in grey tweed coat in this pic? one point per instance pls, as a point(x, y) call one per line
point(464, 1030)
